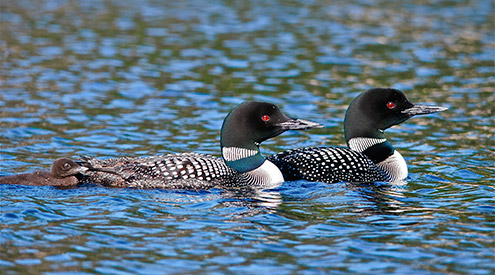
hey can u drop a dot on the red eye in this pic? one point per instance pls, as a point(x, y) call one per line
point(265, 118)
point(390, 105)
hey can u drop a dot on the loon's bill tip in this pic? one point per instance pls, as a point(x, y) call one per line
point(423, 109)
point(299, 124)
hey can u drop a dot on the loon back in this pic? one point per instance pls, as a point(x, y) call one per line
point(170, 171)
point(327, 164)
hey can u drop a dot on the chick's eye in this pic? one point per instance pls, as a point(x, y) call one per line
point(390, 105)
point(66, 166)
point(265, 118)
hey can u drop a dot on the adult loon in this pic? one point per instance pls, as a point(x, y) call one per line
point(370, 157)
point(64, 172)
point(244, 128)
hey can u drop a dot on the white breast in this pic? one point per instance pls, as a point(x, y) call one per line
point(396, 166)
point(267, 175)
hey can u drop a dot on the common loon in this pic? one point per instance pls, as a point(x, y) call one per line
point(64, 172)
point(244, 128)
point(370, 157)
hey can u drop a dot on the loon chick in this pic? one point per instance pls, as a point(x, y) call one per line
point(370, 157)
point(63, 173)
point(244, 128)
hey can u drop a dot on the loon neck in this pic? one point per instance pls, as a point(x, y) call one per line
point(376, 149)
point(253, 168)
point(242, 159)
point(383, 154)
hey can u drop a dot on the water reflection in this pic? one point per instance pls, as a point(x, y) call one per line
point(384, 198)
point(241, 202)
point(374, 200)
point(253, 198)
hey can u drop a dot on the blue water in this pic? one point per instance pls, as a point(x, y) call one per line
point(140, 78)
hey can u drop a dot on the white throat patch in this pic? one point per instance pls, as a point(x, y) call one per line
point(360, 144)
point(236, 153)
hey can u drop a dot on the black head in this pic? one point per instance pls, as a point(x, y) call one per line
point(253, 122)
point(63, 167)
point(378, 109)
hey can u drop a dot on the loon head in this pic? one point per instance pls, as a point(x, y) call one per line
point(249, 124)
point(64, 167)
point(378, 109)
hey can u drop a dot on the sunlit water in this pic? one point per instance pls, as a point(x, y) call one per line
point(129, 78)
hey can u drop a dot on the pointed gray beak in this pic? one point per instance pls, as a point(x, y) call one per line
point(298, 124)
point(422, 110)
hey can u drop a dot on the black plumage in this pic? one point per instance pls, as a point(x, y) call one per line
point(327, 164)
point(170, 171)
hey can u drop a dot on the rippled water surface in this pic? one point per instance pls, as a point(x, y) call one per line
point(128, 78)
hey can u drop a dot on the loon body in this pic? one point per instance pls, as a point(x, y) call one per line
point(369, 156)
point(63, 173)
point(170, 171)
point(243, 130)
